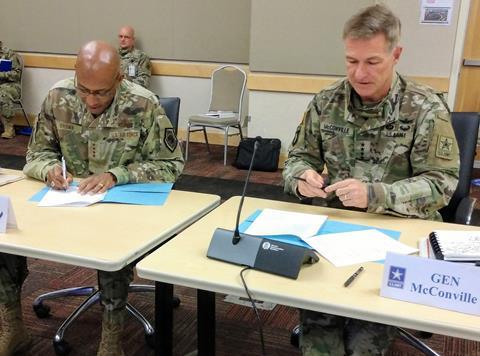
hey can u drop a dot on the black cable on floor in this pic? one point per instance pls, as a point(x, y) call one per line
point(260, 326)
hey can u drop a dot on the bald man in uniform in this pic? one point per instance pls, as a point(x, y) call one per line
point(135, 63)
point(110, 131)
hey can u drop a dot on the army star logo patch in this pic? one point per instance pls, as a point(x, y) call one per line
point(444, 147)
point(170, 139)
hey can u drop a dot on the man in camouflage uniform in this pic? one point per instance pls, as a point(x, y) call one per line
point(135, 63)
point(110, 131)
point(9, 90)
point(388, 146)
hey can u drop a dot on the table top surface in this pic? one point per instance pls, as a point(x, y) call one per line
point(102, 236)
point(319, 287)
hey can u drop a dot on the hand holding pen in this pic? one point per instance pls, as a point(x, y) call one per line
point(58, 177)
point(311, 184)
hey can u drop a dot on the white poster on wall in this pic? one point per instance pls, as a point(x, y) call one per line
point(436, 12)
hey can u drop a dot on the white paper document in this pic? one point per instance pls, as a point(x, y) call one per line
point(9, 178)
point(349, 248)
point(7, 215)
point(221, 114)
point(69, 197)
point(278, 222)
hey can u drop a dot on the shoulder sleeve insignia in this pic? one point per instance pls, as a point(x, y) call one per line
point(444, 147)
point(170, 139)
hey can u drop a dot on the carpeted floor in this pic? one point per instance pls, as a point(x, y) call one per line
point(236, 327)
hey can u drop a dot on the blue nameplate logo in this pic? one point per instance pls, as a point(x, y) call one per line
point(441, 284)
point(396, 277)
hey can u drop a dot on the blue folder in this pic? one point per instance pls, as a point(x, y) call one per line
point(5, 65)
point(135, 193)
point(329, 227)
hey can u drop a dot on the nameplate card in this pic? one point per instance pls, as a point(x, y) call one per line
point(441, 284)
point(7, 216)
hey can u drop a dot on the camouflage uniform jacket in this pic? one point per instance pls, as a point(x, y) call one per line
point(404, 148)
point(10, 81)
point(136, 66)
point(133, 139)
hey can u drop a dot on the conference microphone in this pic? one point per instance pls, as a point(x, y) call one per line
point(258, 252)
point(236, 235)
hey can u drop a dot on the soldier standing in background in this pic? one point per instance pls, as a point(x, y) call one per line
point(10, 90)
point(135, 63)
point(110, 131)
point(389, 148)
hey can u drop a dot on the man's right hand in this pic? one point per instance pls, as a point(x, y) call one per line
point(313, 184)
point(55, 179)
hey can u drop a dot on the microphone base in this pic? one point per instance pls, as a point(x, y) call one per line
point(260, 253)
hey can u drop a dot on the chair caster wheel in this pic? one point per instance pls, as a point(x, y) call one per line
point(61, 347)
point(150, 339)
point(41, 310)
point(295, 336)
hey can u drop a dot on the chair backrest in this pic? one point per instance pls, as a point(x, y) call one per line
point(171, 105)
point(465, 125)
point(227, 89)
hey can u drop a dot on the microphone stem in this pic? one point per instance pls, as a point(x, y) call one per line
point(236, 234)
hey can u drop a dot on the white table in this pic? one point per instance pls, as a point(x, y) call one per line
point(319, 287)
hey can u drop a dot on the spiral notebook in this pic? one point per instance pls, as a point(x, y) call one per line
point(452, 245)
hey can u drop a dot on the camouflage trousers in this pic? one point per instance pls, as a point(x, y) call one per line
point(113, 285)
point(13, 271)
point(8, 93)
point(326, 334)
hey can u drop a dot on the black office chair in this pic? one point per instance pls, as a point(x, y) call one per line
point(459, 210)
point(171, 105)
point(172, 108)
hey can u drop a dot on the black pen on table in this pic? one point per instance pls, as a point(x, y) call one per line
point(352, 277)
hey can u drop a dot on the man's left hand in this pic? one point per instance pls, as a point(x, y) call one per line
point(97, 183)
point(351, 192)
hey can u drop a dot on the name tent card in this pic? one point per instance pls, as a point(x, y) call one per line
point(446, 285)
point(7, 216)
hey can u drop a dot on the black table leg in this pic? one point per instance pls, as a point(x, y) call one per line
point(206, 323)
point(163, 319)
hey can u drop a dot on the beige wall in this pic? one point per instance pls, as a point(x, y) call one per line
point(202, 30)
point(277, 101)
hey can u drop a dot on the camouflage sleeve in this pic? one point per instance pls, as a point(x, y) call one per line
point(43, 150)
point(160, 156)
point(305, 151)
point(435, 164)
point(15, 74)
point(144, 69)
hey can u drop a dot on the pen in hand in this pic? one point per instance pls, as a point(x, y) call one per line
point(352, 277)
point(64, 171)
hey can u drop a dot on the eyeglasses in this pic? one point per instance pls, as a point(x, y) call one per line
point(101, 94)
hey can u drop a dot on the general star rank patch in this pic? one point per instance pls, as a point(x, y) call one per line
point(170, 139)
point(444, 147)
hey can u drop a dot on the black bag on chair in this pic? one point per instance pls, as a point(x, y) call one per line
point(266, 158)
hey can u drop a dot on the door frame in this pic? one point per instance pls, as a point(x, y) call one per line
point(457, 58)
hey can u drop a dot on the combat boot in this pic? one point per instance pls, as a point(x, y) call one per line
point(8, 130)
point(13, 336)
point(112, 328)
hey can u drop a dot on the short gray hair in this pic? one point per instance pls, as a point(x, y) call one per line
point(371, 21)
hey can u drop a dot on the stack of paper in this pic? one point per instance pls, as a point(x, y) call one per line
point(69, 197)
point(278, 222)
point(349, 248)
point(221, 114)
point(9, 178)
